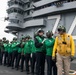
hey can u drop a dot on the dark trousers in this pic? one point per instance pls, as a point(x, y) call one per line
point(1, 57)
point(9, 59)
point(51, 66)
point(14, 58)
point(22, 62)
point(18, 60)
point(33, 64)
point(40, 63)
point(5, 58)
point(27, 59)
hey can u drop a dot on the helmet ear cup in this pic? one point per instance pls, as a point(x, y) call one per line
point(51, 33)
point(64, 30)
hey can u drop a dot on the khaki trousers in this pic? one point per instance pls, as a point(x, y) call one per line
point(63, 62)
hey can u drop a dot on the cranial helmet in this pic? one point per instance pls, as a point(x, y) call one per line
point(40, 30)
point(4, 38)
point(14, 38)
point(28, 36)
point(49, 33)
point(61, 28)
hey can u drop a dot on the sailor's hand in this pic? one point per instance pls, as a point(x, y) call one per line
point(53, 58)
point(72, 58)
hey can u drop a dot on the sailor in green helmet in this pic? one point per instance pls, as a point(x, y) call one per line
point(20, 49)
point(14, 46)
point(49, 43)
point(22, 53)
point(27, 53)
point(1, 51)
point(33, 50)
point(40, 52)
point(9, 49)
point(5, 52)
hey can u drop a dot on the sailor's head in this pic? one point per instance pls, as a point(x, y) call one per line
point(40, 32)
point(61, 29)
point(49, 34)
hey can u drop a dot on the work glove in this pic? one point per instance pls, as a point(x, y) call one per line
point(71, 58)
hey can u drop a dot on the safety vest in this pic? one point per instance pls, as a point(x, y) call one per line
point(64, 48)
point(40, 40)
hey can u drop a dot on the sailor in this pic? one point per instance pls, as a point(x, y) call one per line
point(9, 50)
point(1, 51)
point(15, 52)
point(27, 53)
point(49, 43)
point(40, 52)
point(65, 48)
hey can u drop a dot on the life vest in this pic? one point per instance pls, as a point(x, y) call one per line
point(40, 40)
point(64, 48)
